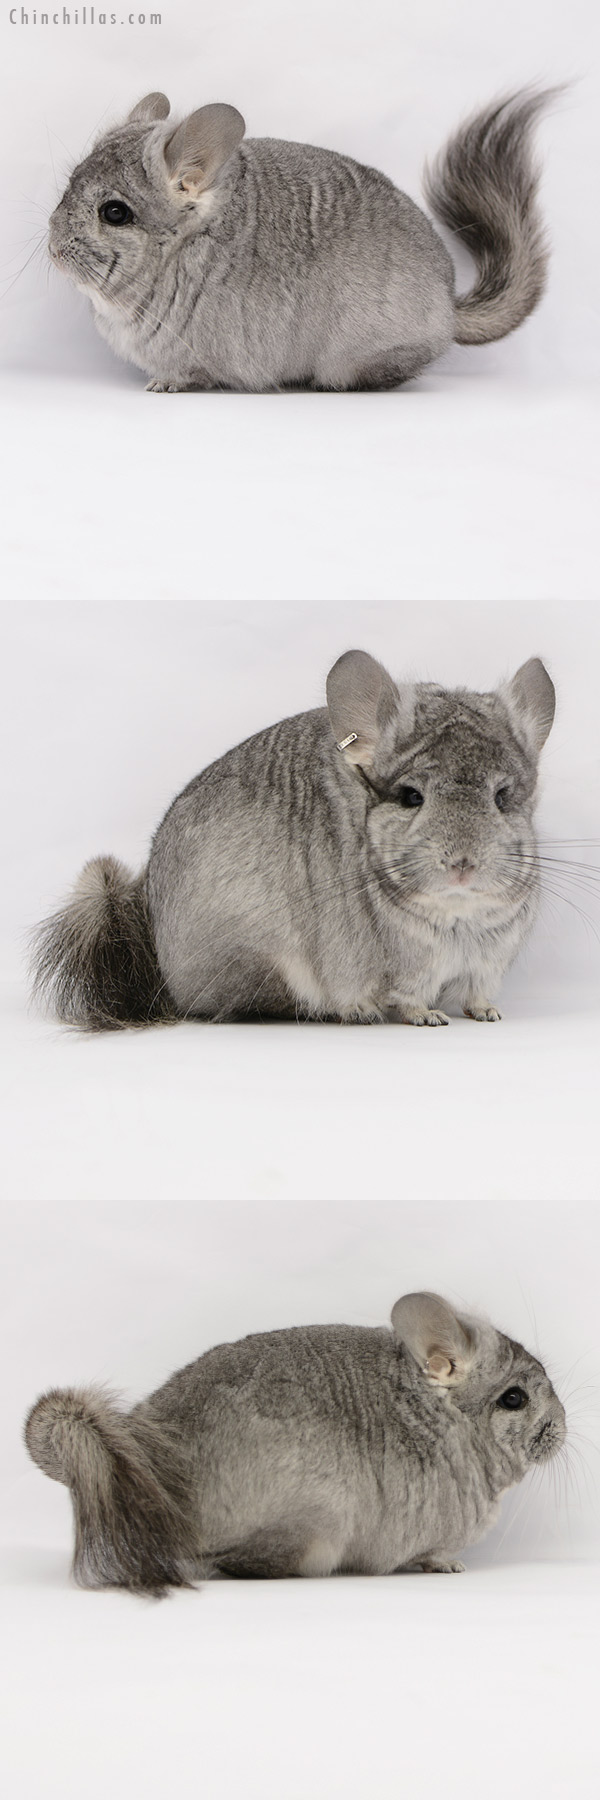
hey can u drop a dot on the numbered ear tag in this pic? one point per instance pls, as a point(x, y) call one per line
point(351, 739)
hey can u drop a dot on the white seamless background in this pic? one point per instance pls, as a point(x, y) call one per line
point(109, 711)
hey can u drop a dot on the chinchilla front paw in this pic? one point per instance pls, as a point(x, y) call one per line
point(164, 387)
point(433, 1565)
point(200, 383)
point(480, 1009)
point(408, 1014)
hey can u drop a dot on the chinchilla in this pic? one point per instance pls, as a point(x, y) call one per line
point(213, 262)
point(360, 862)
point(310, 1451)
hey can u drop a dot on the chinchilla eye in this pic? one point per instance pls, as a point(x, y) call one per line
point(408, 796)
point(513, 1399)
point(115, 212)
point(502, 797)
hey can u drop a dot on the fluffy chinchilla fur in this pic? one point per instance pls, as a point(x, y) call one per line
point(358, 863)
point(303, 1452)
point(216, 262)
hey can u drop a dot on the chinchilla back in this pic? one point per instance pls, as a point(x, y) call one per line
point(257, 855)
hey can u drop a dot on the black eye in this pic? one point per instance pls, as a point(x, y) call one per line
point(502, 797)
point(513, 1399)
point(115, 212)
point(407, 796)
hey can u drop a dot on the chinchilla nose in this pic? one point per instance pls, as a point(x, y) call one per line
point(464, 867)
point(53, 231)
point(460, 873)
point(56, 225)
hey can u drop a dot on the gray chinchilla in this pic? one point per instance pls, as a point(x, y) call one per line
point(216, 263)
point(357, 862)
point(311, 1451)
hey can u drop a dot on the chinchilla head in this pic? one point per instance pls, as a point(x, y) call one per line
point(142, 188)
point(505, 1392)
point(452, 776)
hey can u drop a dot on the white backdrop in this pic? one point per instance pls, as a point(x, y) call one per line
point(297, 1688)
point(481, 477)
point(109, 711)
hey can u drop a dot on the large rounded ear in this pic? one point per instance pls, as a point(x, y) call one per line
point(439, 1340)
point(531, 700)
point(155, 106)
point(201, 146)
point(362, 701)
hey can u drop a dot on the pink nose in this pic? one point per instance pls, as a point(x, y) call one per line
point(460, 871)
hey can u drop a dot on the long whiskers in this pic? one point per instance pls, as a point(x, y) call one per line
point(38, 249)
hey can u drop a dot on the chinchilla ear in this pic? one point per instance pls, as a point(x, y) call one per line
point(155, 106)
point(362, 700)
point(531, 701)
point(440, 1342)
point(201, 145)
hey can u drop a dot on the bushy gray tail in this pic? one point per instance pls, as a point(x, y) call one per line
point(484, 187)
point(129, 1487)
point(94, 962)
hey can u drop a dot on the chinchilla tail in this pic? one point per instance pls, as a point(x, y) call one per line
point(484, 187)
point(94, 963)
point(130, 1490)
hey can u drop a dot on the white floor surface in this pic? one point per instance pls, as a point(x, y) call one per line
point(480, 1684)
point(293, 1112)
point(114, 493)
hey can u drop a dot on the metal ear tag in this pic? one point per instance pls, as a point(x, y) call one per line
point(351, 739)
